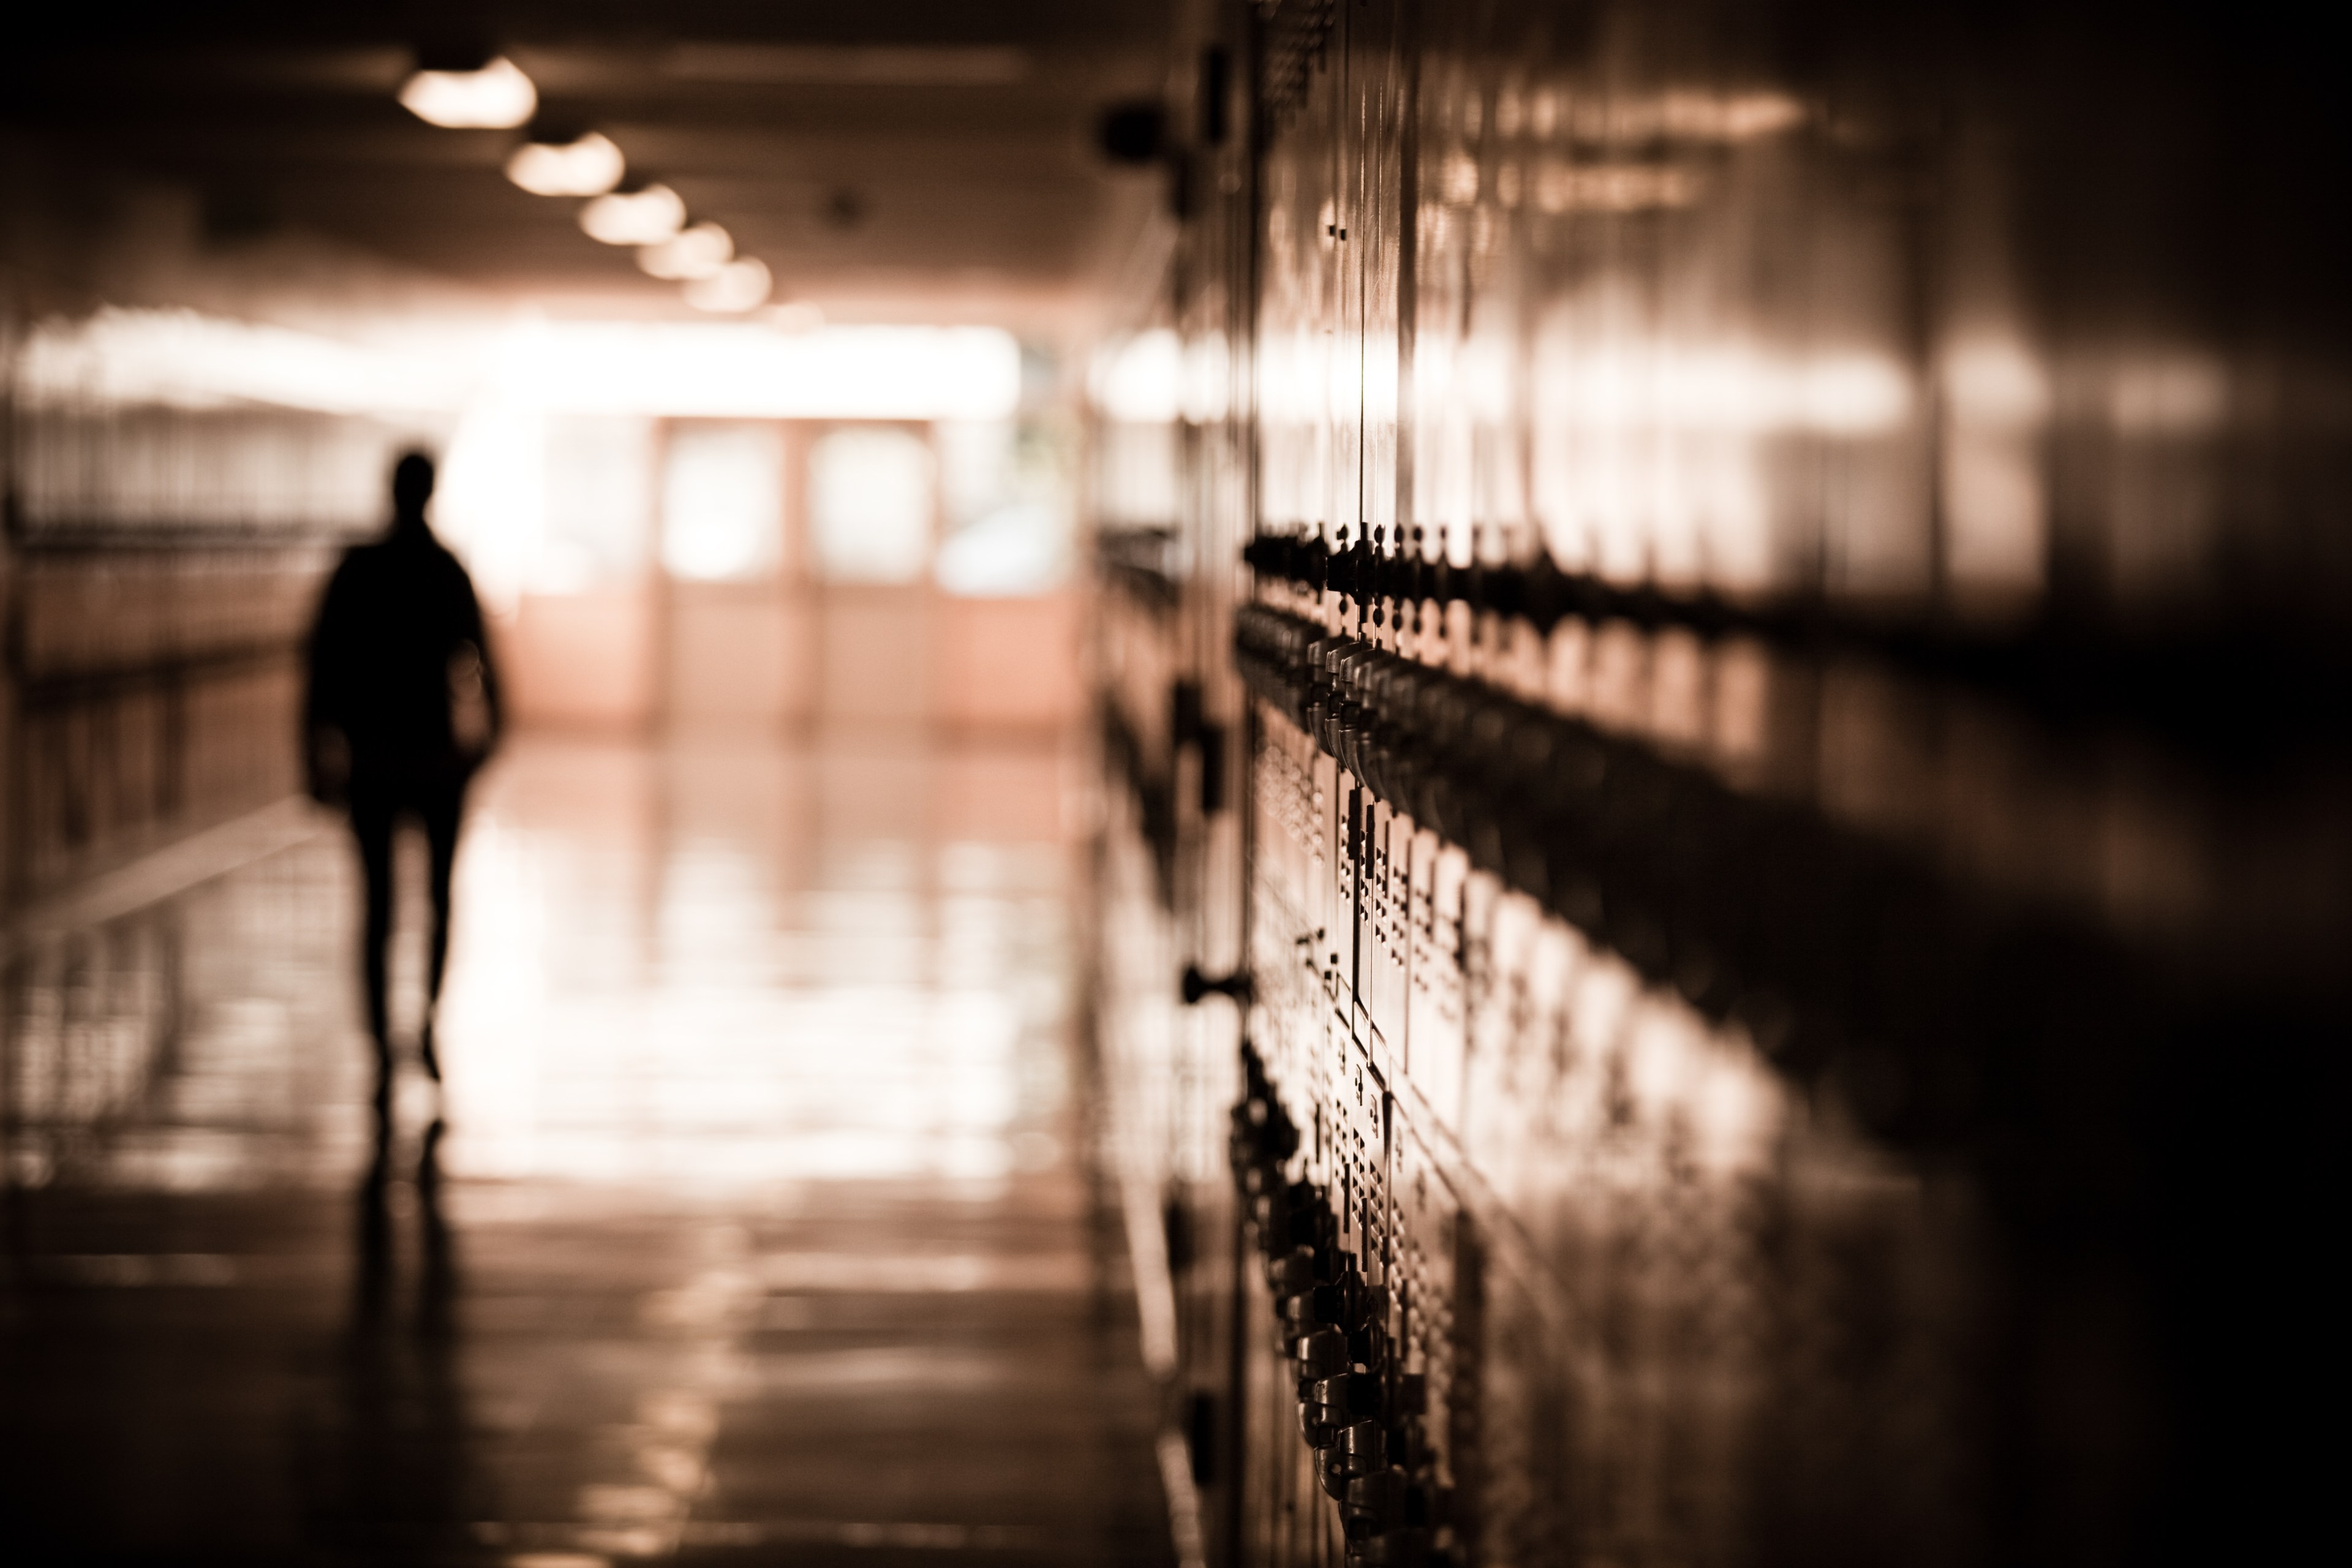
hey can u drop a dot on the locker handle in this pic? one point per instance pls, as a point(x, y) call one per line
point(1198, 986)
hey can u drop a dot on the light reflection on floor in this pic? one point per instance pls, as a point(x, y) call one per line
point(773, 1005)
point(756, 1232)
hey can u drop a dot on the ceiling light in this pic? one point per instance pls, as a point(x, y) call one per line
point(497, 97)
point(637, 217)
point(699, 252)
point(737, 286)
point(588, 167)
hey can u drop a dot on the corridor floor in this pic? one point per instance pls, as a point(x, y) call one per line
point(754, 1223)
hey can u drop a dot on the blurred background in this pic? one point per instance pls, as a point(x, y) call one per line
point(1284, 783)
point(798, 447)
point(758, 1214)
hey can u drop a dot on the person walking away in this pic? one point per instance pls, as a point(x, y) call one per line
point(401, 710)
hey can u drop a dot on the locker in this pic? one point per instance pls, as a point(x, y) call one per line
point(1794, 847)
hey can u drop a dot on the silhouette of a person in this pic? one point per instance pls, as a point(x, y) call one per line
point(402, 707)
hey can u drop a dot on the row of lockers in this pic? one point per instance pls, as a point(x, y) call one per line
point(100, 772)
point(147, 470)
point(1670, 297)
point(1724, 710)
point(165, 556)
point(91, 613)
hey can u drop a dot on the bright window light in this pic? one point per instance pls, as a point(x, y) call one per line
point(1019, 549)
point(722, 502)
point(588, 167)
point(870, 505)
point(1141, 381)
point(494, 98)
point(735, 288)
point(731, 371)
point(636, 217)
point(1004, 508)
point(182, 360)
point(697, 252)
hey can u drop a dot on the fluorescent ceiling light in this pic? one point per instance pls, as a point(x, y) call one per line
point(178, 359)
point(640, 217)
point(497, 96)
point(739, 286)
point(699, 252)
point(588, 167)
point(733, 370)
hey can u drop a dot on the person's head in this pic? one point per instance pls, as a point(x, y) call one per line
point(412, 486)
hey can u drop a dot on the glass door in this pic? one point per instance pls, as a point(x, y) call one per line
point(732, 655)
point(872, 504)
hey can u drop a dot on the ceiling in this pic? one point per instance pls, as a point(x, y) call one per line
point(895, 158)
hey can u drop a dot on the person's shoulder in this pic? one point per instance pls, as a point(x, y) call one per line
point(444, 560)
point(451, 568)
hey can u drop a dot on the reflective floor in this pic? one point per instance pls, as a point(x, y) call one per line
point(753, 1223)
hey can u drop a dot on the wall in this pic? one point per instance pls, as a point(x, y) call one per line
point(196, 420)
point(583, 659)
point(1725, 697)
point(1010, 665)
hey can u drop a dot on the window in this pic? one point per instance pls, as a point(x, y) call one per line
point(870, 505)
point(600, 472)
point(722, 502)
point(1005, 502)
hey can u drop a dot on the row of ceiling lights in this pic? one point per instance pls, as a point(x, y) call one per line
point(496, 95)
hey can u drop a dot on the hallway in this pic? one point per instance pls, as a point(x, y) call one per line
point(1270, 784)
point(764, 1223)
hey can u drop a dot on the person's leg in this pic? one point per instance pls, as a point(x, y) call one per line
point(442, 812)
point(372, 812)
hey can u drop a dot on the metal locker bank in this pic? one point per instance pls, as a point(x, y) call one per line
point(1718, 637)
point(1174, 783)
